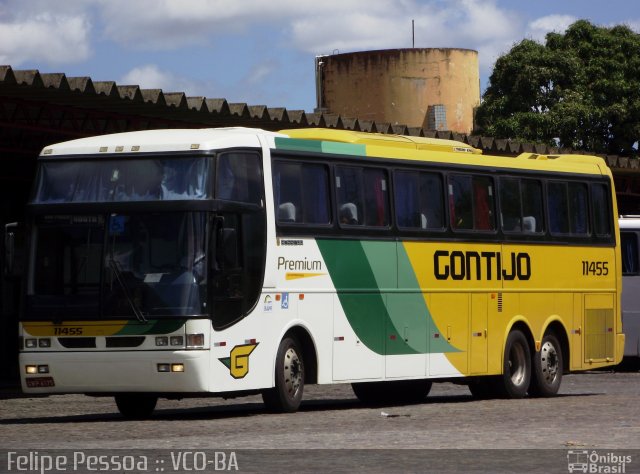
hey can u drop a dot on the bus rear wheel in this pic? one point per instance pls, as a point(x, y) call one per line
point(136, 406)
point(547, 368)
point(400, 391)
point(286, 396)
point(516, 369)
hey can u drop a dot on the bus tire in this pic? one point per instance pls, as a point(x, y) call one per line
point(516, 368)
point(396, 391)
point(136, 406)
point(286, 396)
point(547, 368)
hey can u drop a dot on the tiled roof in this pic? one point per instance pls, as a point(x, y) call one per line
point(177, 108)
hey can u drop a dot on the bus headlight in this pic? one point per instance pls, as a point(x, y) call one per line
point(195, 340)
point(176, 340)
point(162, 341)
point(44, 342)
point(30, 343)
point(31, 369)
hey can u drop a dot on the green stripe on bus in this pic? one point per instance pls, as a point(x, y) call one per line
point(386, 320)
point(344, 148)
point(297, 144)
point(316, 146)
point(153, 326)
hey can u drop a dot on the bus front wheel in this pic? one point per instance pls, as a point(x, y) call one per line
point(286, 396)
point(516, 373)
point(547, 368)
point(136, 406)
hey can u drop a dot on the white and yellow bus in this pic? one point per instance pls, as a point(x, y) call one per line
point(630, 251)
point(236, 261)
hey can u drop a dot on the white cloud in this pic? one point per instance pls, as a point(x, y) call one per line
point(259, 73)
point(309, 26)
point(539, 28)
point(472, 24)
point(47, 37)
point(151, 76)
point(62, 32)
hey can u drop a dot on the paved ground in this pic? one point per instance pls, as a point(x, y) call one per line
point(598, 411)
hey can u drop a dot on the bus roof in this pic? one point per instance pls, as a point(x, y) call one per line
point(429, 149)
point(149, 141)
point(381, 139)
point(629, 222)
point(320, 140)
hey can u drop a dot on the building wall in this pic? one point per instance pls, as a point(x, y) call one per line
point(402, 86)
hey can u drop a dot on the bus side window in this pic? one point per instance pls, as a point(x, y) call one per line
point(521, 205)
point(239, 177)
point(460, 202)
point(471, 202)
point(431, 203)
point(510, 205)
point(418, 200)
point(362, 196)
point(532, 208)
point(483, 204)
point(407, 199)
point(349, 195)
point(558, 208)
point(629, 248)
point(287, 192)
point(376, 197)
point(601, 207)
point(301, 192)
point(578, 208)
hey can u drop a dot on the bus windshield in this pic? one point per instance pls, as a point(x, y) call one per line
point(118, 266)
point(122, 180)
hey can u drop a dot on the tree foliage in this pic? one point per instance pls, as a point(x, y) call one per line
point(581, 89)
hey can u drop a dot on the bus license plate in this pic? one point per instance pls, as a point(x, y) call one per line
point(40, 382)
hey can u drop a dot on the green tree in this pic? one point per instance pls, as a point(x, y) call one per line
point(581, 89)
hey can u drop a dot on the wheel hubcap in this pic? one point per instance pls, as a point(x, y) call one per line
point(292, 372)
point(517, 365)
point(549, 362)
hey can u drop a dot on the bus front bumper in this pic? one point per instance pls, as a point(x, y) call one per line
point(113, 372)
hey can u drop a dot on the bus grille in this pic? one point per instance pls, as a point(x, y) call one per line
point(77, 342)
point(125, 341)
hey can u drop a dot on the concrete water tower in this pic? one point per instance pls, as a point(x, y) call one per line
point(434, 88)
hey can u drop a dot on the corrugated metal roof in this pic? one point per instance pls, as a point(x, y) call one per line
point(177, 107)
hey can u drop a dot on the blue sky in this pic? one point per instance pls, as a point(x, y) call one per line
point(262, 51)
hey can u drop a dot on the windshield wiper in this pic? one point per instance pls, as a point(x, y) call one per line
point(118, 274)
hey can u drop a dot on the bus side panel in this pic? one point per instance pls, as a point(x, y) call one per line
point(354, 344)
point(631, 314)
point(574, 285)
point(599, 328)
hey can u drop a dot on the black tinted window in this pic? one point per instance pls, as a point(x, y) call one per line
point(418, 200)
point(301, 192)
point(239, 177)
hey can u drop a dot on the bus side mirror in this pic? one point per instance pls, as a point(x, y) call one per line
point(13, 250)
point(224, 242)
